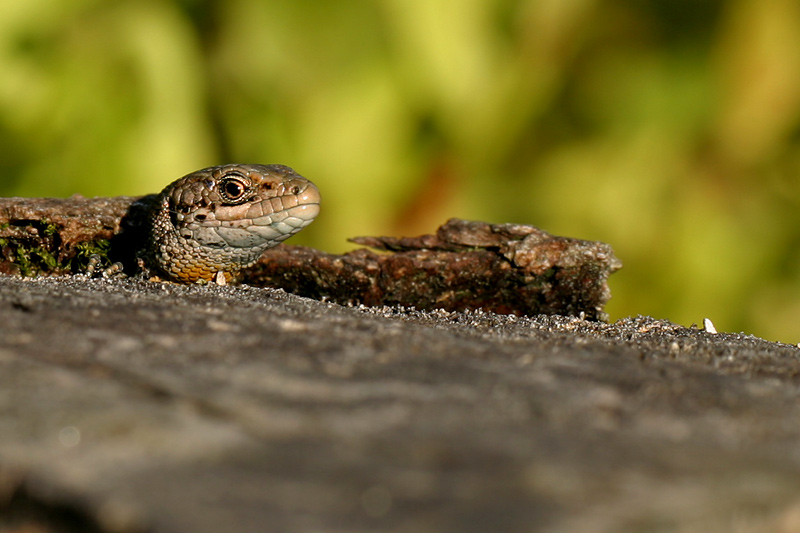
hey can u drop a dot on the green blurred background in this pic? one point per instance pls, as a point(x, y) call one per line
point(667, 128)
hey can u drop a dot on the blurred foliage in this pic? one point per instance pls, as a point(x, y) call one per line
point(667, 128)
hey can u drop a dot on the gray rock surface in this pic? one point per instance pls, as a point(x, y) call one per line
point(130, 406)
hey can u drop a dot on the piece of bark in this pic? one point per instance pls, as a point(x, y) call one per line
point(505, 268)
point(44, 235)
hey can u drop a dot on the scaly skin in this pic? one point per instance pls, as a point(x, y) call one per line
point(219, 220)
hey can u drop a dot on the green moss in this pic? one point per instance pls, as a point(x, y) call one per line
point(43, 258)
point(23, 261)
point(49, 228)
point(35, 260)
point(85, 250)
point(100, 247)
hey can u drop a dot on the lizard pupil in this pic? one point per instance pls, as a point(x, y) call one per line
point(234, 189)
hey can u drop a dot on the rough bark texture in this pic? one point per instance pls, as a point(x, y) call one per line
point(505, 268)
point(132, 406)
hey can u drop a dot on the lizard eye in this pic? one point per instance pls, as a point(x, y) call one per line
point(233, 188)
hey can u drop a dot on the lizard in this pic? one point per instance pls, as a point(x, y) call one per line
point(214, 222)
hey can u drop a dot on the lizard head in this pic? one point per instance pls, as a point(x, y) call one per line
point(241, 206)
